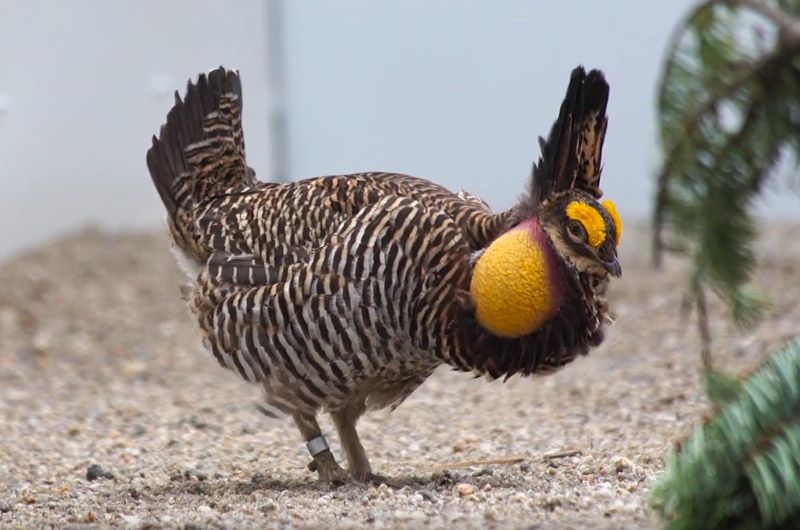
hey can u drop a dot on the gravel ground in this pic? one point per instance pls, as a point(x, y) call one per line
point(100, 365)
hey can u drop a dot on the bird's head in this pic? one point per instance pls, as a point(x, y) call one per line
point(517, 280)
point(585, 231)
point(560, 224)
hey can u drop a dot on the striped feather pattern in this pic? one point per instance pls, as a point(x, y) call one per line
point(362, 313)
point(346, 292)
point(267, 217)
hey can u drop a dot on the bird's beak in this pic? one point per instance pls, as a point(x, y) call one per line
point(613, 267)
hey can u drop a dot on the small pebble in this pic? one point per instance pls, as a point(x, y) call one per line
point(604, 492)
point(518, 497)
point(463, 489)
point(427, 495)
point(130, 520)
point(5, 507)
point(621, 464)
point(196, 422)
point(441, 477)
point(95, 472)
point(193, 474)
point(617, 507)
point(630, 507)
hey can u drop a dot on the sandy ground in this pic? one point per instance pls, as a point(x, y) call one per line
point(100, 365)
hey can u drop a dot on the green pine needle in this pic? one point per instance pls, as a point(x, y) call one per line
point(741, 470)
point(729, 118)
point(721, 388)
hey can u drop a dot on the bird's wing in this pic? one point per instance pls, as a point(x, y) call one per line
point(353, 308)
point(571, 156)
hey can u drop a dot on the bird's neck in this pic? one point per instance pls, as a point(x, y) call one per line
point(516, 282)
point(544, 299)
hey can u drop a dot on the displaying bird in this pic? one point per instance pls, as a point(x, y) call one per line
point(344, 293)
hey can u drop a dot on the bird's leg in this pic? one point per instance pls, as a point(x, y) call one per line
point(324, 463)
point(358, 463)
point(345, 419)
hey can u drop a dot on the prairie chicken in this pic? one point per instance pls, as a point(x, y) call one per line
point(344, 293)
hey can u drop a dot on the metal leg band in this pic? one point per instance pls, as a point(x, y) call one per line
point(317, 445)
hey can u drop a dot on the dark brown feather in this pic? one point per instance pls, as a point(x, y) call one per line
point(591, 132)
point(571, 156)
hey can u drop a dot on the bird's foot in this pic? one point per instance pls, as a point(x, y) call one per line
point(328, 469)
point(377, 480)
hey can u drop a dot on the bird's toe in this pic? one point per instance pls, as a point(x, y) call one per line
point(377, 480)
point(329, 470)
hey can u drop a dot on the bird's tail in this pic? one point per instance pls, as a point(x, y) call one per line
point(199, 152)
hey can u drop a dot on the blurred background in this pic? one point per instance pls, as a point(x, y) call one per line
point(100, 363)
point(455, 91)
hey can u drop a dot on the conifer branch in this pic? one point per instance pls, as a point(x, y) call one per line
point(727, 114)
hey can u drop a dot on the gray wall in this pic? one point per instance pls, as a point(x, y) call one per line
point(452, 90)
point(88, 83)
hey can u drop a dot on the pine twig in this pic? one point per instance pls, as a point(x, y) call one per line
point(703, 327)
point(691, 121)
point(789, 31)
point(788, 26)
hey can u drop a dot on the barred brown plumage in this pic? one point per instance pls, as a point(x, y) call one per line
point(344, 293)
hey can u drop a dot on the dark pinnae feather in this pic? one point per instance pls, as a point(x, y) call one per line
point(590, 132)
point(557, 160)
point(571, 155)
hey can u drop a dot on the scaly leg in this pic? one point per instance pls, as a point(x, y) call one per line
point(345, 419)
point(324, 463)
point(358, 463)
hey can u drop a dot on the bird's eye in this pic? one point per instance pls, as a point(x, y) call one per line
point(575, 229)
